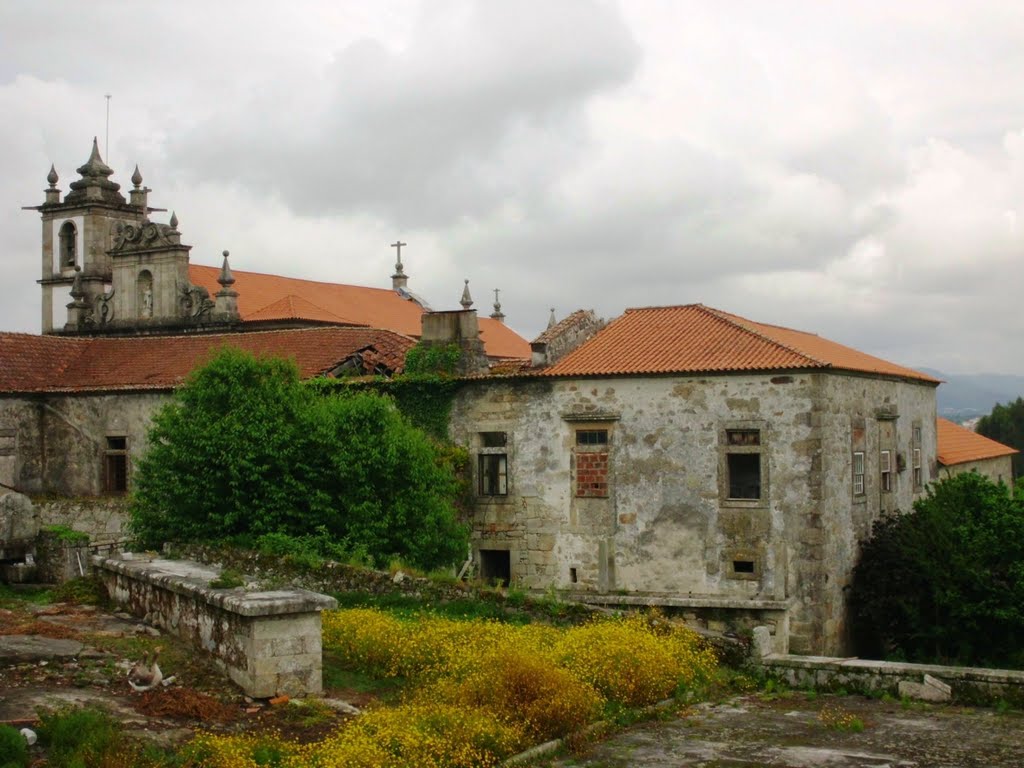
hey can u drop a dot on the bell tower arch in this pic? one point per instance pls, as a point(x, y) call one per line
point(77, 234)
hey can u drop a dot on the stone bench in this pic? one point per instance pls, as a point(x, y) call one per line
point(269, 642)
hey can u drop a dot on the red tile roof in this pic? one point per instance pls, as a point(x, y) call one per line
point(959, 445)
point(272, 297)
point(58, 364)
point(698, 339)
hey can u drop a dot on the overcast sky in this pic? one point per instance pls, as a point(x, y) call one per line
point(851, 169)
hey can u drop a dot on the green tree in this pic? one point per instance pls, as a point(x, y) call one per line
point(945, 582)
point(245, 450)
point(1006, 425)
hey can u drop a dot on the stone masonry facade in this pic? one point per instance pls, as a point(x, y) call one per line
point(732, 487)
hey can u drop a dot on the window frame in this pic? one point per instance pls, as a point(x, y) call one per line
point(755, 440)
point(859, 488)
point(114, 455)
point(885, 469)
point(495, 451)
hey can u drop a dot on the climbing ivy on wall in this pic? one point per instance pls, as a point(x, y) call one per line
point(441, 360)
point(424, 399)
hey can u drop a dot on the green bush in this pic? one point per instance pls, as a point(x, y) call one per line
point(13, 749)
point(245, 450)
point(946, 581)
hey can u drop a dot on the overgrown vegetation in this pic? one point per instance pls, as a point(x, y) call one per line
point(478, 691)
point(13, 749)
point(1006, 424)
point(945, 582)
point(245, 450)
point(441, 359)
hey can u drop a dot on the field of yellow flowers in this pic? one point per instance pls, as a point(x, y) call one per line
point(479, 691)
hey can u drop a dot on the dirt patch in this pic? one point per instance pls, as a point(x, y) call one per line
point(186, 704)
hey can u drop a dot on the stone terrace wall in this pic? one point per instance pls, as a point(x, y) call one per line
point(269, 642)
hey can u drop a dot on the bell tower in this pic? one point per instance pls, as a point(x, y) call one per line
point(77, 233)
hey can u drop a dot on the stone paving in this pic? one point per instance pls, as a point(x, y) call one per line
point(788, 732)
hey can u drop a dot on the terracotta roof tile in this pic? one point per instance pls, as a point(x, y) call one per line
point(293, 307)
point(697, 339)
point(958, 445)
point(56, 364)
point(272, 297)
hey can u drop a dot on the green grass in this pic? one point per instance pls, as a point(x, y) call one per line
point(12, 598)
point(410, 606)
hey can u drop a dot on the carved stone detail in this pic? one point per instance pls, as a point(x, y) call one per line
point(103, 308)
point(195, 300)
point(144, 236)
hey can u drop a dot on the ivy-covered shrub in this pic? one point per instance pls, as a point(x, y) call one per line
point(945, 582)
point(433, 359)
point(246, 450)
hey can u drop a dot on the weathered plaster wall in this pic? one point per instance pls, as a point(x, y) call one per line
point(998, 470)
point(667, 525)
point(855, 413)
point(60, 440)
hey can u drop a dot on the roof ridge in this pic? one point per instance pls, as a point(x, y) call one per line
point(244, 272)
point(727, 317)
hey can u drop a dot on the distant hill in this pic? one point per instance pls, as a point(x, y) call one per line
point(966, 396)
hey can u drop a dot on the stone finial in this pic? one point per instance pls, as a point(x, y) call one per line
point(497, 314)
point(226, 278)
point(467, 300)
point(95, 184)
point(52, 193)
point(174, 220)
point(76, 286)
point(137, 177)
point(52, 177)
point(552, 321)
point(226, 299)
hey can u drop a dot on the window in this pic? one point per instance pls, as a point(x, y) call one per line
point(916, 465)
point(592, 463)
point(68, 246)
point(885, 463)
point(492, 464)
point(591, 437)
point(858, 473)
point(496, 566)
point(742, 464)
point(115, 459)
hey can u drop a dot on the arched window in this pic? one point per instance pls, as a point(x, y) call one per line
point(144, 293)
point(68, 246)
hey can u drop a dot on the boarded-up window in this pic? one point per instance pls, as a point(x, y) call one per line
point(8, 441)
point(492, 464)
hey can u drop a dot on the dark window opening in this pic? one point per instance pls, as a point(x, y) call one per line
point(743, 566)
point(572, 575)
point(495, 566)
point(115, 465)
point(592, 437)
point(493, 474)
point(493, 439)
point(68, 254)
point(744, 475)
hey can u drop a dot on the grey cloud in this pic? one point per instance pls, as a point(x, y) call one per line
point(411, 135)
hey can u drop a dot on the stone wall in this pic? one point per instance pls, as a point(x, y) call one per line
point(970, 685)
point(103, 519)
point(60, 440)
point(269, 642)
point(669, 523)
point(998, 470)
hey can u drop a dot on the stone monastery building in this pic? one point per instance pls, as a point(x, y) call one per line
point(681, 456)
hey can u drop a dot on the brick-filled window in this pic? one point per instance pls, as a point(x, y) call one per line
point(492, 464)
point(592, 463)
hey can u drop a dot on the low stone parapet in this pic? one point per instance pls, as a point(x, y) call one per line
point(269, 642)
point(932, 682)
